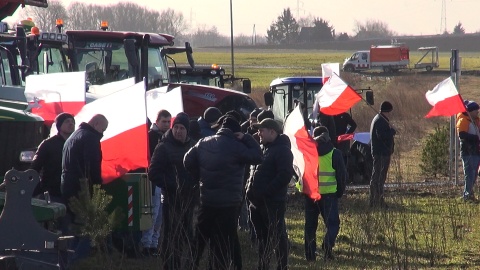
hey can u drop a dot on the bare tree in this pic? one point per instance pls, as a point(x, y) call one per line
point(372, 29)
point(171, 22)
point(83, 16)
point(45, 18)
point(306, 21)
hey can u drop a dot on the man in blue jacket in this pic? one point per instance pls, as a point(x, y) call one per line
point(218, 163)
point(267, 194)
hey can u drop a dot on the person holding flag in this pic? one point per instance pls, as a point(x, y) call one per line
point(467, 128)
point(332, 177)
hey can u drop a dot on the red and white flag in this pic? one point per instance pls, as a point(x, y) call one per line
point(124, 143)
point(305, 155)
point(55, 93)
point(445, 99)
point(336, 96)
point(328, 69)
point(159, 99)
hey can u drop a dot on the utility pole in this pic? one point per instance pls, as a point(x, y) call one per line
point(231, 38)
point(443, 19)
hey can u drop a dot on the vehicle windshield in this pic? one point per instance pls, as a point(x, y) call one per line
point(51, 60)
point(312, 89)
point(157, 68)
point(281, 93)
point(203, 80)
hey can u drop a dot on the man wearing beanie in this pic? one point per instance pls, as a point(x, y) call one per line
point(382, 145)
point(467, 129)
point(332, 177)
point(267, 194)
point(179, 191)
point(210, 117)
point(218, 163)
point(48, 158)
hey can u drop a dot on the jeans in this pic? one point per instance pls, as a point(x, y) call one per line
point(327, 206)
point(217, 226)
point(150, 237)
point(470, 170)
point(268, 220)
point(379, 176)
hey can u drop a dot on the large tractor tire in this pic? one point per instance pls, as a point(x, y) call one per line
point(360, 163)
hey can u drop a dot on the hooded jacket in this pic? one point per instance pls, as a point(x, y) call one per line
point(269, 180)
point(82, 158)
point(381, 135)
point(324, 146)
point(166, 168)
point(469, 140)
point(218, 162)
point(48, 163)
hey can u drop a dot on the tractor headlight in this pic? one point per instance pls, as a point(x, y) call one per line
point(27, 156)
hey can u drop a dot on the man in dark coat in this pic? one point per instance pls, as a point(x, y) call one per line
point(210, 117)
point(179, 191)
point(332, 180)
point(382, 145)
point(82, 159)
point(82, 156)
point(267, 193)
point(218, 163)
point(344, 124)
point(48, 158)
point(150, 237)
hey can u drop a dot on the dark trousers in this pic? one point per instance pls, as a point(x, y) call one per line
point(327, 206)
point(177, 230)
point(217, 227)
point(379, 176)
point(268, 219)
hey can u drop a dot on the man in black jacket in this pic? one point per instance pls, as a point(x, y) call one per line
point(382, 144)
point(48, 158)
point(332, 178)
point(179, 191)
point(150, 237)
point(82, 159)
point(218, 162)
point(267, 192)
point(82, 156)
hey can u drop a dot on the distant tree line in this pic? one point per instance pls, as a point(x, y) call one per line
point(129, 16)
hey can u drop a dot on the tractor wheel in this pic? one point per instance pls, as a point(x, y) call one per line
point(387, 69)
point(349, 68)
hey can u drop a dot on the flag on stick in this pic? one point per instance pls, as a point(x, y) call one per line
point(445, 99)
point(328, 69)
point(305, 155)
point(336, 96)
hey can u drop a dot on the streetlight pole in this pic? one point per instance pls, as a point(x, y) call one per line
point(231, 38)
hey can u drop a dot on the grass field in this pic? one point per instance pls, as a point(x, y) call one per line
point(425, 226)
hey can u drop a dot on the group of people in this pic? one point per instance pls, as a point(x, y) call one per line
point(205, 173)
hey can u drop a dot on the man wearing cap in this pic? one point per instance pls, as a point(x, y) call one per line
point(48, 158)
point(267, 193)
point(467, 129)
point(179, 191)
point(218, 163)
point(150, 237)
point(382, 146)
point(332, 177)
point(210, 118)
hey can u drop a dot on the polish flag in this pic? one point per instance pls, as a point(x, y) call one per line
point(124, 143)
point(55, 93)
point(328, 69)
point(336, 96)
point(445, 99)
point(305, 155)
point(159, 99)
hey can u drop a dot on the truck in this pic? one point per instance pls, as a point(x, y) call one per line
point(389, 58)
point(281, 99)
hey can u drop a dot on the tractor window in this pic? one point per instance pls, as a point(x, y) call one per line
point(280, 104)
point(157, 68)
point(103, 62)
point(5, 71)
point(51, 58)
point(312, 89)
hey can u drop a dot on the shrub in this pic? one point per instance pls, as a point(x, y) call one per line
point(435, 153)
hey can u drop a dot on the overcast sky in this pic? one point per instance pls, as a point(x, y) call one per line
point(402, 16)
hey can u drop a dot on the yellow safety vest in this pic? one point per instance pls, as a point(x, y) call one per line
point(327, 182)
